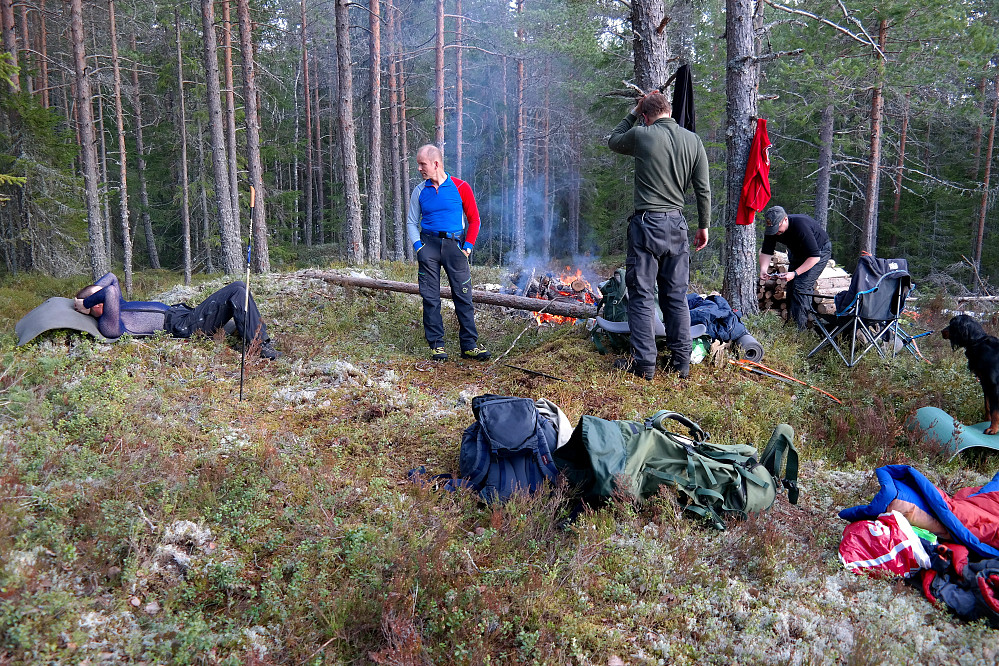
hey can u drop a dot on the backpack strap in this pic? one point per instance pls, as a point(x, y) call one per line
point(780, 453)
point(696, 432)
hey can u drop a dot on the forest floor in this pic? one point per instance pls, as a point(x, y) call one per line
point(147, 515)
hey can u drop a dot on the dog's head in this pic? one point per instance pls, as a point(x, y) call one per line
point(963, 331)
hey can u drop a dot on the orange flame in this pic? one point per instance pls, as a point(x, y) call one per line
point(571, 285)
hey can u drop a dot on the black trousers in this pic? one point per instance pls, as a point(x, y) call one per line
point(446, 253)
point(658, 254)
point(215, 312)
point(804, 284)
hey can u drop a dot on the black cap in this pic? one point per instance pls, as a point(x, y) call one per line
point(774, 217)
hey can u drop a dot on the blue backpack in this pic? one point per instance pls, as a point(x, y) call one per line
point(507, 449)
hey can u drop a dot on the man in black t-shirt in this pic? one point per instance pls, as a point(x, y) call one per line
point(808, 251)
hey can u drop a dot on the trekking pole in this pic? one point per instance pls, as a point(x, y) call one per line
point(246, 295)
point(744, 362)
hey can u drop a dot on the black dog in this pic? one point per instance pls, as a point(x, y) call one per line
point(982, 351)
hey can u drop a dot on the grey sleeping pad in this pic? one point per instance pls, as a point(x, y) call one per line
point(56, 312)
point(622, 327)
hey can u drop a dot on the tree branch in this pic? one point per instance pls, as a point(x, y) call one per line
point(866, 39)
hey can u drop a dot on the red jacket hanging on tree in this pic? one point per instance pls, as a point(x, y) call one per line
point(756, 184)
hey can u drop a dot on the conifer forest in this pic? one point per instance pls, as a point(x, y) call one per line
point(133, 132)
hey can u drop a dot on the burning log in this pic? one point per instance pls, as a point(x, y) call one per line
point(563, 307)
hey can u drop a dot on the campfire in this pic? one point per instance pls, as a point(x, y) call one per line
point(568, 285)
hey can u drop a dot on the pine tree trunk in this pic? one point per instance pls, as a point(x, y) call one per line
point(439, 77)
point(261, 255)
point(824, 175)
point(147, 222)
point(399, 200)
point(126, 232)
point(649, 45)
point(27, 62)
point(43, 60)
point(978, 126)
point(898, 173)
point(459, 93)
point(985, 187)
point(206, 235)
point(99, 260)
point(317, 141)
point(228, 226)
point(403, 127)
point(230, 109)
point(376, 224)
point(546, 216)
point(345, 127)
point(869, 233)
point(742, 88)
point(185, 204)
point(574, 190)
point(103, 190)
point(519, 213)
point(9, 32)
point(307, 96)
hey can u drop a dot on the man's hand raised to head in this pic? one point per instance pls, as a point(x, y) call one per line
point(700, 239)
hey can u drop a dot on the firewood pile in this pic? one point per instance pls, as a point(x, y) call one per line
point(772, 292)
point(565, 286)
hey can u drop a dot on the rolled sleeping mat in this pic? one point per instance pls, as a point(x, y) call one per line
point(751, 348)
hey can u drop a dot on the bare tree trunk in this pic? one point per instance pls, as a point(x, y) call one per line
point(320, 171)
point(230, 109)
point(439, 77)
point(399, 201)
point(459, 93)
point(978, 126)
point(742, 81)
point(505, 132)
point(147, 223)
point(869, 234)
point(26, 47)
point(228, 226)
point(574, 190)
point(546, 219)
point(185, 204)
point(99, 261)
point(9, 31)
point(126, 232)
point(43, 60)
point(649, 44)
point(985, 187)
point(348, 148)
point(307, 95)
point(826, 127)
point(519, 213)
point(206, 235)
point(376, 223)
point(261, 258)
point(898, 173)
point(103, 190)
point(403, 125)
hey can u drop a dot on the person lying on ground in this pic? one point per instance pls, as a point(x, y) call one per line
point(116, 316)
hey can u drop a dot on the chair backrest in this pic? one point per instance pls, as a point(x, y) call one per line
point(877, 290)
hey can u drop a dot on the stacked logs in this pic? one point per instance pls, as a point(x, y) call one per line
point(773, 292)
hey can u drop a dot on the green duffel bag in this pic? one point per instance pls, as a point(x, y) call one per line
point(712, 480)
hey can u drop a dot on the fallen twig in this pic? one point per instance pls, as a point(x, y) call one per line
point(533, 372)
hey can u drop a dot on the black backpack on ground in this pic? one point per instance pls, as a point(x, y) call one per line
point(508, 448)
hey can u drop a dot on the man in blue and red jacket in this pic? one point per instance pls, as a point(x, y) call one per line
point(443, 223)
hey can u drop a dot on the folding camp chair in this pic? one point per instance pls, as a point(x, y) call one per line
point(867, 314)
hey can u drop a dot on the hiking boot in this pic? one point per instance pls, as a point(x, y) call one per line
point(680, 371)
point(438, 354)
point(476, 354)
point(267, 351)
point(647, 373)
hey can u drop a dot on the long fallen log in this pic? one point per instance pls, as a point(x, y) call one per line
point(561, 307)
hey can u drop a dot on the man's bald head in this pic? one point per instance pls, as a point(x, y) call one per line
point(430, 163)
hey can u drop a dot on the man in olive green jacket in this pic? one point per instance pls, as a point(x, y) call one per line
point(669, 160)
